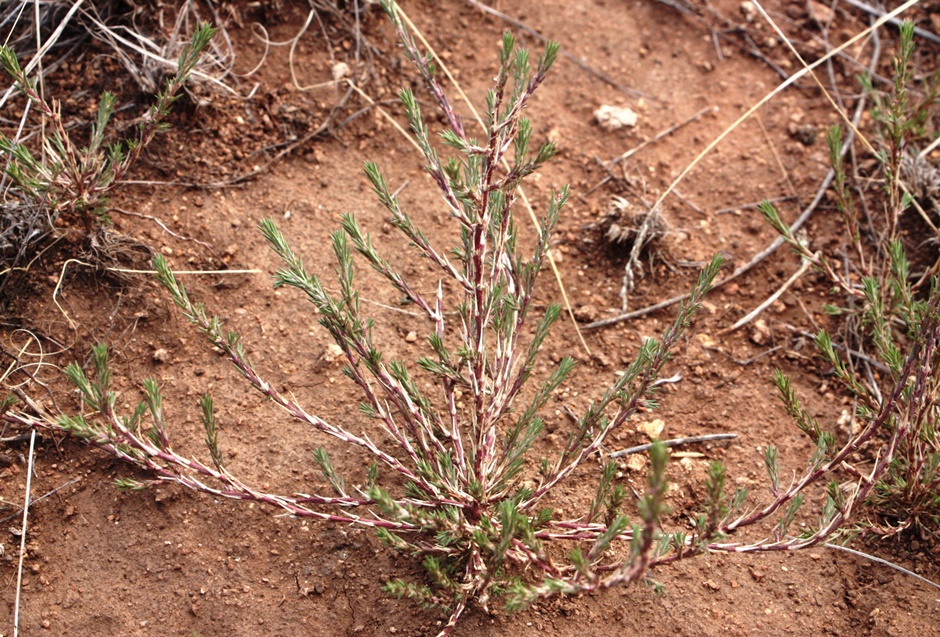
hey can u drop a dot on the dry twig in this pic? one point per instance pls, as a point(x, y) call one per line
point(770, 299)
point(19, 570)
point(675, 442)
point(880, 13)
point(884, 562)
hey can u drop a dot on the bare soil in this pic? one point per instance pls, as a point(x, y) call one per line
point(171, 562)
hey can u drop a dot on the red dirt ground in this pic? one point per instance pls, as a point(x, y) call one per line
point(171, 562)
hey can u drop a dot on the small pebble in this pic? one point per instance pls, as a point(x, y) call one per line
point(586, 314)
point(748, 11)
point(652, 429)
point(760, 335)
point(612, 118)
point(333, 351)
point(339, 71)
point(636, 462)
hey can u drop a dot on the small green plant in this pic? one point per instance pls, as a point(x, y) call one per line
point(888, 311)
point(453, 481)
point(75, 181)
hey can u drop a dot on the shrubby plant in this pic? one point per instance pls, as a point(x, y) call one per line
point(888, 310)
point(453, 481)
point(65, 178)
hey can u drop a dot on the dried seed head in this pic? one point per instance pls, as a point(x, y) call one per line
point(624, 222)
point(920, 176)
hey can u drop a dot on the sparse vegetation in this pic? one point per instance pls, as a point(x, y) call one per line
point(466, 496)
point(66, 179)
point(461, 475)
point(888, 310)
